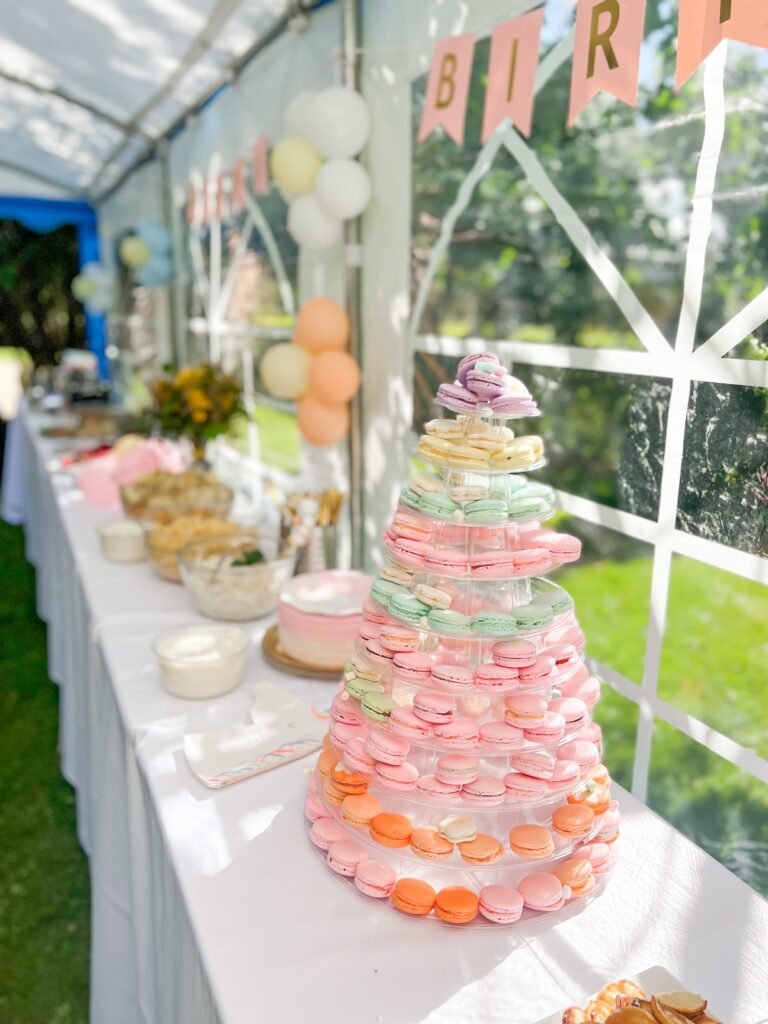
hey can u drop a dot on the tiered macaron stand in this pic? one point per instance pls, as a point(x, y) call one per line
point(471, 718)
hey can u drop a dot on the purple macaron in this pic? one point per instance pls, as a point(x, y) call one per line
point(456, 398)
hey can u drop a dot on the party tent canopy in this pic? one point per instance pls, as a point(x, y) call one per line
point(88, 87)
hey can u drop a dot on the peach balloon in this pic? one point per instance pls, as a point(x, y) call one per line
point(321, 424)
point(320, 325)
point(334, 377)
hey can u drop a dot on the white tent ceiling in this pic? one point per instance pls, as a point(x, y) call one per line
point(88, 86)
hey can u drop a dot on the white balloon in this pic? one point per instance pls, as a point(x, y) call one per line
point(339, 124)
point(310, 226)
point(296, 119)
point(343, 188)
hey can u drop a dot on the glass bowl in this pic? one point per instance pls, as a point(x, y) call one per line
point(235, 593)
point(166, 540)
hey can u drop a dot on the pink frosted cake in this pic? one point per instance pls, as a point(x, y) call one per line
point(319, 615)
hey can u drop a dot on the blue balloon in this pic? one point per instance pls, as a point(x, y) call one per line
point(158, 271)
point(154, 235)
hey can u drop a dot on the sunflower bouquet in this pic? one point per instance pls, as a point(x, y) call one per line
point(198, 402)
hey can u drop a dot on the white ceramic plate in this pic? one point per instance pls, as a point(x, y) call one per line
point(653, 981)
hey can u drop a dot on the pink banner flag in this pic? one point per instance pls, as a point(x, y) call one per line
point(260, 166)
point(606, 53)
point(237, 197)
point(512, 65)
point(448, 88)
point(222, 196)
point(705, 23)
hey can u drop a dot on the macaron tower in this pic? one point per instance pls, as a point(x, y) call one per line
point(461, 777)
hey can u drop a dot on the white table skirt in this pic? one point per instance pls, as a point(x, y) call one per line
point(210, 906)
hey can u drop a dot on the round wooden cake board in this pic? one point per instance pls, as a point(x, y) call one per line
point(276, 656)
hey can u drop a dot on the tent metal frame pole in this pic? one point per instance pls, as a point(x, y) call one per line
point(166, 196)
point(351, 42)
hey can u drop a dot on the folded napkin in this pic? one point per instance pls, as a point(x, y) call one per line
point(283, 729)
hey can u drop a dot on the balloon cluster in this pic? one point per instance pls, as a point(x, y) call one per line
point(315, 370)
point(94, 287)
point(147, 250)
point(315, 166)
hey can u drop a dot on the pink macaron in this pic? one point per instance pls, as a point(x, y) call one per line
point(412, 666)
point(593, 733)
point(346, 711)
point(539, 764)
point(456, 769)
point(609, 826)
point(573, 710)
point(550, 730)
point(524, 710)
point(541, 668)
point(325, 832)
point(405, 723)
point(492, 564)
point(409, 552)
point(542, 891)
point(435, 790)
point(314, 808)
point(373, 878)
point(369, 630)
point(531, 562)
point(341, 734)
point(515, 653)
point(564, 655)
point(373, 613)
point(585, 689)
point(410, 526)
point(433, 706)
point(356, 757)
point(399, 777)
point(584, 753)
point(564, 776)
point(460, 734)
point(500, 903)
point(485, 791)
point(500, 736)
point(525, 787)
point(446, 561)
point(495, 678)
point(378, 655)
point(345, 856)
point(568, 634)
point(600, 855)
point(398, 639)
point(453, 677)
point(563, 547)
point(387, 748)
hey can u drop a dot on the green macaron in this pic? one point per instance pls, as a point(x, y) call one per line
point(558, 600)
point(377, 706)
point(494, 624)
point(410, 497)
point(408, 608)
point(384, 590)
point(448, 621)
point(533, 616)
point(439, 505)
point(358, 688)
point(486, 510)
point(522, 509)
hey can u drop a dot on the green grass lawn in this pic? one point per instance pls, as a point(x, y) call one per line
point(44, 887)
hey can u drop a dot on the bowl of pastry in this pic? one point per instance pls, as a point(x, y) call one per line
point(165, 541)
point(237, 576)
point(161, 497)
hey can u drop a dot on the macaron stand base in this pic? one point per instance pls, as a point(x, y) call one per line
point(465, 713)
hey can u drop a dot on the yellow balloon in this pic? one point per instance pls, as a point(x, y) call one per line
point(294, 163)
point(134, 252)
point(284, 370)
point(83, 287)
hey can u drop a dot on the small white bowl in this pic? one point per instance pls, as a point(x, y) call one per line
point(123, 541)
point(200, 662)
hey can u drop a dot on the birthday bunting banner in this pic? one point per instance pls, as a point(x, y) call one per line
point(606, 58)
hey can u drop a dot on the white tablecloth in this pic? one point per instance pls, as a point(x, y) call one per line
point(211, 906)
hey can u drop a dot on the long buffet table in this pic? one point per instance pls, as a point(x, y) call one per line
point(211, 906)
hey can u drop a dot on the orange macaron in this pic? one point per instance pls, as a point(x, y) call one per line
point(430, 844)
point(532, 841)
point(391, 829)
point(327, 761)
point(482, 849)
point(574, 821)
point(413, 896)
point(349, 782)
point(577, 875)
point(332, 793)
point(358, 811)
point(456, 905)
